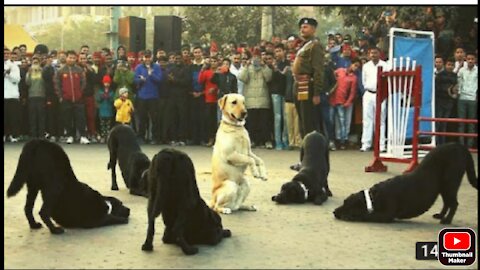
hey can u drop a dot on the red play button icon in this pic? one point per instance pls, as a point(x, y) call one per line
point(456, 240)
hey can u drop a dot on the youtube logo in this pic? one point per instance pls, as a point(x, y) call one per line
point(456, 246)
point(456, 240)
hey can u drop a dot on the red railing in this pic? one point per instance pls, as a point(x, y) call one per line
point(382, 93)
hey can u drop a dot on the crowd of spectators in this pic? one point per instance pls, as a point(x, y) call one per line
point(171, 97)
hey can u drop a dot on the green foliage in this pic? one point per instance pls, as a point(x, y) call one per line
point(359, 16)
point(234, 23)
point(77, 30)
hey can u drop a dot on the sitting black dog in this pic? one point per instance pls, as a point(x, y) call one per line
point(412, 194)
point(45, 167)
point(133, 163)
point(310, 183)
point(173, 192)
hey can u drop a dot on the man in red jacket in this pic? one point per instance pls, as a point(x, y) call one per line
point(70, 83)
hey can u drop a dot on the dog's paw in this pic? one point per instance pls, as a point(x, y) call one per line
point(57, 230)
point(226, 233)
point(226, 211)
point(147, 247)
point(36, 225)
point(437, 216)
point(190, 250)
point(248, 208)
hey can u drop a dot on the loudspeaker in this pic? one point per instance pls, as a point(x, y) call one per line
point(167, 33)
point(131, 33)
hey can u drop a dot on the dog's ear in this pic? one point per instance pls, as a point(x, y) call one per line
point(222, 102)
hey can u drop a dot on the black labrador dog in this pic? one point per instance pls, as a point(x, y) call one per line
point(310, 183)
point(45, 167)
point(133, 163)
point(173, 192)
point(410, 195)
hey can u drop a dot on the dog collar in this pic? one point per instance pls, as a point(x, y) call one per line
point(305, 190)
point(368, 200)
point(227, 121)
point(109, 204)
point(143, 173)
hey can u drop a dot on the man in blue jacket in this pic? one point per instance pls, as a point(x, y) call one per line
point(148, 76)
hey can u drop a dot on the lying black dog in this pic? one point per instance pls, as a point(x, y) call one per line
point(410, 195)
point(311, 183)
point(173, 192)
point(45, 167)
point(133, 163)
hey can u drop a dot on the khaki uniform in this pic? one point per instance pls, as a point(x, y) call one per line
point(309, 61)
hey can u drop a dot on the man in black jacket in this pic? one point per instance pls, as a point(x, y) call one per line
point(226, 82)
point(445, 96)
point(179, 83)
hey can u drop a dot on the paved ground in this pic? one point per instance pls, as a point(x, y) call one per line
point(294, 236)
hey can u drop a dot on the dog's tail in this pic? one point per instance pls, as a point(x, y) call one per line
point(471, 170)
point(23, 168)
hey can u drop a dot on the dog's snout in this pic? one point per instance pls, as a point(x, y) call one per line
point(273, 198)
point(244, 114)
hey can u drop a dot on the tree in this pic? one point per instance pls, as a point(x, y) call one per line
point(459, 17)
point(75, 31)
point(234, 23)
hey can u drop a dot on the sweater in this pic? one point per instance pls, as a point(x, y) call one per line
point(148, 89)
point(36, 87)
point(205, 78)
point(255, 89)
point(346, 88)
point(105, 103)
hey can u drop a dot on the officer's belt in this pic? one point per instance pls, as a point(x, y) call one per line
point(302, 78)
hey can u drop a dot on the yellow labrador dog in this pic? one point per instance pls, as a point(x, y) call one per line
point(232, 155)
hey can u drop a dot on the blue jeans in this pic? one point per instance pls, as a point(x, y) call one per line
point(340, 112)
point(348, 122)
point(442, 110)
point(467, 109)
point(327, 125)
point(280, 121)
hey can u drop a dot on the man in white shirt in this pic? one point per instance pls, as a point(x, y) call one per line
point(11, 97)
point(369, 80)
point(235, 70)
point(467, 99)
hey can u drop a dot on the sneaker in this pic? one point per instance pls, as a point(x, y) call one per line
point(173, 143)
point(69, 140)
point(181, 143)
point(332, 146)
point(93, 139)
point(84, 140)
point(364, 149)
point(269, 145)
point(52, 139)
point(13, 139)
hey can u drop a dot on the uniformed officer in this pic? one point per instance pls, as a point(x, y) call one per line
point(308, 73)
